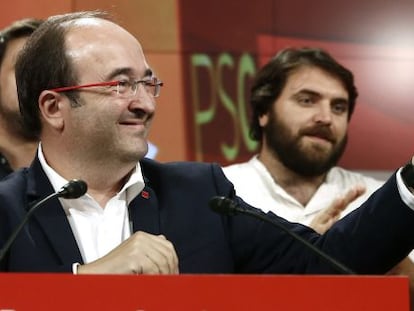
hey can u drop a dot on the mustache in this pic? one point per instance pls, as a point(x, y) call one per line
point(319, 131)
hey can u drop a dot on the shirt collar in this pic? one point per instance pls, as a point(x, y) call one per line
point(133, 186)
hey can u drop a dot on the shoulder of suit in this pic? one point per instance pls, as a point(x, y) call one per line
point(149, 166)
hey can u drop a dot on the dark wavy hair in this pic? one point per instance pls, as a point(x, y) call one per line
point(271, 79)
point(43, 64)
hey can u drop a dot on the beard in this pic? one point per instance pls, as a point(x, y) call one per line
point(13, 121)
point(310, 160)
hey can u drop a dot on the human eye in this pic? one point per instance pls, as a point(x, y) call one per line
point(149, 82)
point(305, 99)
point(339, 107)
point(123, 86)
point(152, 85)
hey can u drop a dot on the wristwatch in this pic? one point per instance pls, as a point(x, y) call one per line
point(407, 174)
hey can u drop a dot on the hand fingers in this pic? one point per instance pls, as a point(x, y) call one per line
point(341, 203)
point(327, 217)
point(333, 210)
point(140, 253)
point(337, 206)
point(162, 256)
point(154, 254)
point(353, 193)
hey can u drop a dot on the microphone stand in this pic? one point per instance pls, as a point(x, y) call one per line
point(17, 230)
point(74, 189)
point(227, 206)
point(339, 267)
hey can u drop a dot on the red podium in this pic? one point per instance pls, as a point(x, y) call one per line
point(24, 292)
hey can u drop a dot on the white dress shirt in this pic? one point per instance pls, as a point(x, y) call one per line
point(254, 183)
point(97, 229)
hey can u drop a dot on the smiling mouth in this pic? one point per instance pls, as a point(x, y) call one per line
point(134, 127)
point(132, 123)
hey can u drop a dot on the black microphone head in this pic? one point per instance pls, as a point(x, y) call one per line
point(223, 205)
point(73, 189)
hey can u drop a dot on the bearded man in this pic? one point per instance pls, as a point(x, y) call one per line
point(302, 101)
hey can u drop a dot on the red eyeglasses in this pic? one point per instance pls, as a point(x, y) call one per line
point(124, 88)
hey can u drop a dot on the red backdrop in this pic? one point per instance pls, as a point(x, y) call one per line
point(207, 53)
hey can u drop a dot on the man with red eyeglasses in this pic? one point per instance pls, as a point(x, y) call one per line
point(90, 98)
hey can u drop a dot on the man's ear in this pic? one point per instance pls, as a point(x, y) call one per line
point(51, 106)
point(264, 119)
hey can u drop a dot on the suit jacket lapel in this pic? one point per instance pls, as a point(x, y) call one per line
point(144, 212)
point(52, 217)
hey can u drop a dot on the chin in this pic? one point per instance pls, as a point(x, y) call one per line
point(319, 150)
point(141, 150)
point(133, 153)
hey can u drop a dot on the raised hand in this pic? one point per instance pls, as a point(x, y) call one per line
point(327, 217)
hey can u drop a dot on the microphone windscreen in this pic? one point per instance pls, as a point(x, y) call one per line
point(73, 189)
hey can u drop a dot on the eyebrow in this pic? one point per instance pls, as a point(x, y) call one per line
point(307, 92)
point(128, 71)
point(317, 94)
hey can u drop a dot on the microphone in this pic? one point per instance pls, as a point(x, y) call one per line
point(72, 190)
point(227, 206)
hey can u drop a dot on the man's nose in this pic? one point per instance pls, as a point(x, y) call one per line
point(142, 100)
point(323, 113)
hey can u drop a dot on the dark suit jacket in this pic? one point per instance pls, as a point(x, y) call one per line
point(175, 203)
